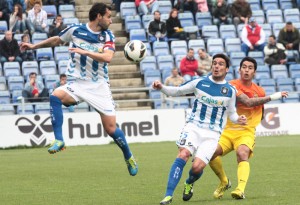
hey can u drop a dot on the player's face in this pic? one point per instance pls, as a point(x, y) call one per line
point(219, 69)
point(105, 20)
point(247, 71)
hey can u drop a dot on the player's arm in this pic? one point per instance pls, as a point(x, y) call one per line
point(174, 91)
point(232, 114)
point(50, 42)
point(252, 102)
point(106, 56)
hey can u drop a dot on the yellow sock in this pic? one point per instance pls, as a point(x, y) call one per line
point(217, 167)
point(243, 173)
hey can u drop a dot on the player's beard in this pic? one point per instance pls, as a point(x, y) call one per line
point(102, 26)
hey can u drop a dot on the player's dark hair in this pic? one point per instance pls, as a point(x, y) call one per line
point(252, 60)
point(98, 8)
point(62, 76)
point(223, 56)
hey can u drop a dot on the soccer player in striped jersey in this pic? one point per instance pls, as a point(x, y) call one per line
point(92, 46)
point(215, 100)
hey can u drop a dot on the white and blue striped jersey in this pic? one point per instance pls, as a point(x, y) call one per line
point(81, 66)
point(214, 102)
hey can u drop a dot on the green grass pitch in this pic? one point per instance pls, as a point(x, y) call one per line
point(98, 175)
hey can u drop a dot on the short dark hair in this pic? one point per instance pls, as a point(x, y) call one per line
point(98, 8)
point(221, 55)
point(62, 76)
point(190, 49)
point(252, 60)
point(289, 23)
point(32, 73)
point(156, 12)
point(273, 36)
point(24, 35)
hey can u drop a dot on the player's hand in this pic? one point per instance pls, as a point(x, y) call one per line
point(279, 95)
point(157, 85)
point(26, 46)
point(242, 120)
point(77, 50)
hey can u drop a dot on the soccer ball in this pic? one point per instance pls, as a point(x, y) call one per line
point(135, 51)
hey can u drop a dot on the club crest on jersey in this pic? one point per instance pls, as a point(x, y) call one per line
point(101, 38)
point(224, 90)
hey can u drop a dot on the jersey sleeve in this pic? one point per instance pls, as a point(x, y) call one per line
point(109, 41)
point(236, 84)
point(186, 88)
point(232, 114)
point(66, 34)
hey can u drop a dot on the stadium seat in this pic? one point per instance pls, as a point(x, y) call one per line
point(165, 7)
point(196, 44)
point(186, 19)
point(291, 15)
point(127, 8)
point(148, 63)
point(4, 97)
point(180, 103)
point(28, 109)
point(295, 71)
point(15, 83)
point(155, 95)
point(48, 68)
point(210, 31)
point(7, 110)
point(66, 10)
point(50, 10)
point(138, 34)
point(285, 84)
point(11, 69)
point(61, 53)
point(255, 5)
point(62, 66)
point(269, 4)
point(232, 45)
point(293, 98)
point(178, 47)
point(133, 22)
point(203, 18)
point(15, 94)
point(70, 21)
point(3, 84)
point(229, 76)
point(267, 29)
point(279, 71)
point(165, 62)
point(285, 4)
point(42, 108)
point(146, 19)
point(38, 37)
point(258, 56)
point(227, 31)
point(269, 85)
point(274, 16)
point(276, 28)
point(215, 45)
point(292, 56)
point(178, 59)
point(44, 54)
point(50, 81)
point(18, 37)
point(297, 84)
point(149, 49)
point(259, 16)
point(164, 17)
point(29, 67)
point(161, 48)
point(192, 32)
point(239, 29)
point(262, 71)
point(1, 36)
point(3, 26)
point(150, 76)
point(236, 57)
point(297, 25)
point(165, 73)
point(82, 107)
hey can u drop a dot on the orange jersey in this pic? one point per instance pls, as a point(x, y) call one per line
point(253, 114)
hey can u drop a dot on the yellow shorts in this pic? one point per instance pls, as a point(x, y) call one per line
point(232, 139)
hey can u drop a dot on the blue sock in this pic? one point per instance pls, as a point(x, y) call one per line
point(175, 175)
point(120, 140)
point(56, 116)
point(193, 177)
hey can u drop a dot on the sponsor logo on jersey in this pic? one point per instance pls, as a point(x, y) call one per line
point(88, 47)
point(212, 101)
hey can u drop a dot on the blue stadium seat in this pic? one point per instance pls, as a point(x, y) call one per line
point(232, 45)
point(161, 48)
point(262, 71)
point(276, 28)
point(42, 108)
point(1, 70)
point(7, 110)
point(239, 29)
point(259, 16)
point(82, 107)
point(50, 10)
point(146, 19)
point(3, 26)
point(38, 37)
point(274, 16)
point(215, 45)
point(70, 21)
point(133, 22)
point(3, 84)
point(196, 44)
point(138, 34)
point(62, 66)
point(127, 8)
point(227, 31)
point(178, 59)
point(285, 4)
point(164, 17)
point(292, 15)
point(186, 19)
point(66, 10)
point(267, 29)
point(4, 97)
point(165, 7)
point(295, 70)
point(203, 18)
point(192, 31)
point(210, 31)
point(285, 84)
point(18, 37)
point(279, 71)
point(148, 63)
point(44, 54)
point(11, 69)
point(29, 67)
point(236, 57)
point(61, 53)
point(150, 76)
point(15, 83)
point(297, 84)
point(156, 96)
point(180, 103)
point(48, 68)
point(178, 47)
point(50, 81)
point(1, 36)
point(269, 4)
point(165, 62)
point(258, 56)
point(293, 98)
point(28, 109)
point(165, 73)
point(292, 56)
point(269, 85)
point(255, 5)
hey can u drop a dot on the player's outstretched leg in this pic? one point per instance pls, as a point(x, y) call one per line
point(57, 121)
point(243, 175)
point(120, 140)
point(189, 183)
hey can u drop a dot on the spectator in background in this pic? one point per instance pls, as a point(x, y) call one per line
point(9, 49)
point(253, 37)
point(157, 29)
point(189, 66)
point(26, 55)
point(274, 52)
point(4, 13)
point(204, 62)
point(174, 28)
point(62, 81)
point(187, 5)
point(37, 19)
point(289, 37)
point(57, 26)
point(147, 6)
point(174, 79)
point(221, 13)
point(202, 5)
point(17, 19)
point(34, 90)
point(241, 12)
point(12, 3)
